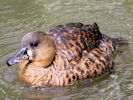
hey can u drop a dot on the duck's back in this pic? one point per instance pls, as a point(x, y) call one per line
point(72, 38)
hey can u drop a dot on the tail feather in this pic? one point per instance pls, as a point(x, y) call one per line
point(109, 45)
point(120, 42)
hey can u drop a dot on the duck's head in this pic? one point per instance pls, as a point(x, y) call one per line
point(36, 47)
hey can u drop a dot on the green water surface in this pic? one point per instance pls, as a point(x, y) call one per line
point(114, 17)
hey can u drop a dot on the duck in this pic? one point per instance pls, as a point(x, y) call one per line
point(65, 54)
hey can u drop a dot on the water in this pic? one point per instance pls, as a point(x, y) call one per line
point(114, 17)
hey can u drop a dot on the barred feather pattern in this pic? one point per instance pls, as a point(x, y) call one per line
point(82, 52)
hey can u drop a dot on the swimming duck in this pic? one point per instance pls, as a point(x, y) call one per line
point(65, 54)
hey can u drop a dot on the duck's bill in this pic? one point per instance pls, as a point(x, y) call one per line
point(18, 57)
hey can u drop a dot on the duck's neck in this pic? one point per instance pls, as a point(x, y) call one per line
point(40, 76)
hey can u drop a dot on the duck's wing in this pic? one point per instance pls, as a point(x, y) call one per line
point(93, 64)
point(72, 38)
point(97, 61)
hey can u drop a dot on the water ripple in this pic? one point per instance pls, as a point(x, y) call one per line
point(21, 16)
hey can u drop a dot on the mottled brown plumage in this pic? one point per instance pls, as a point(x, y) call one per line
point(66, 54)
point(72, 38)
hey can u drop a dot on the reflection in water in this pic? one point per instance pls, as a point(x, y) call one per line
point(20, 16)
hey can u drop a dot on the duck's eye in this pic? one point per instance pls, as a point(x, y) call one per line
point(34, 44)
